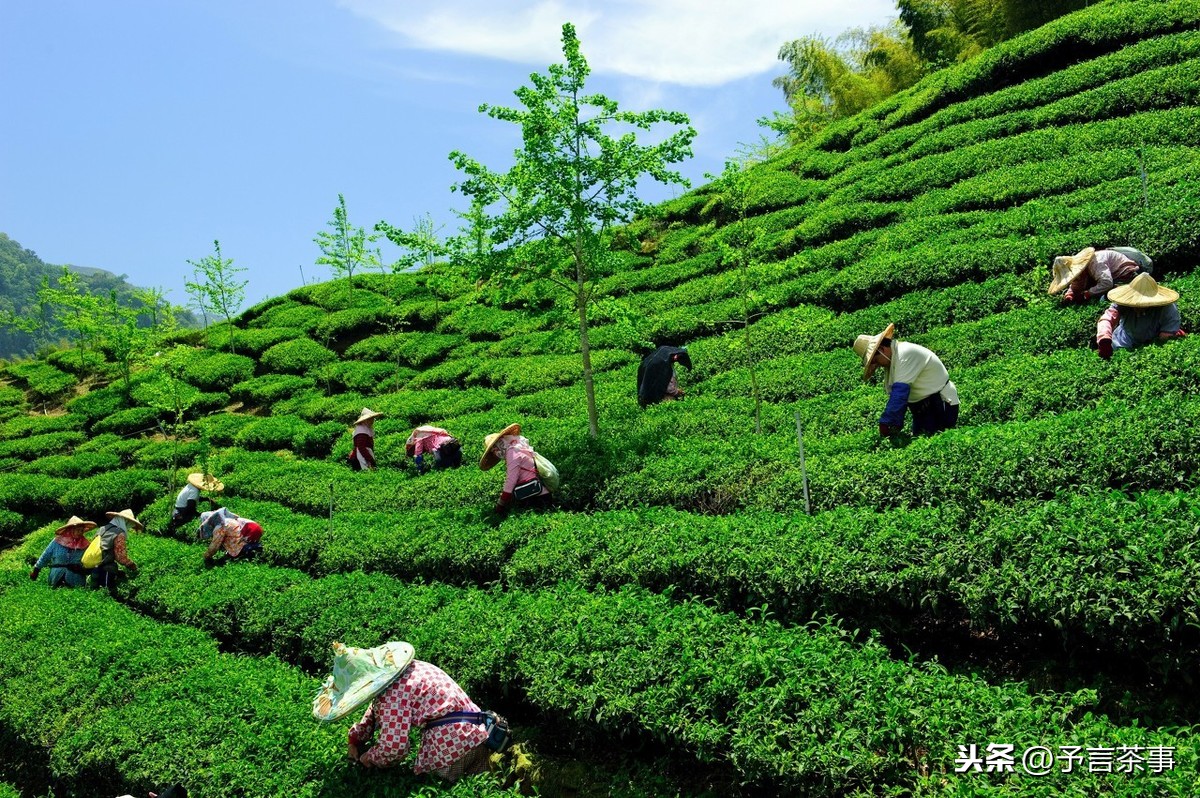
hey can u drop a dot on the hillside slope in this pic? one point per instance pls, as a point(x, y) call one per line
point(680, 624)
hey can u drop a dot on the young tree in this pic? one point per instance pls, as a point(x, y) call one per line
point(346, 248)
point(78, 310)
point(217, 283)
point(421, 245)
point(571, 182)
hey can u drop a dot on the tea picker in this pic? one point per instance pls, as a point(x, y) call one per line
point(916, 381)
point(362, 456)
point(185, 503)
point(1142, 312)
point(656, 380)
point(1090, 273)
point(408, 696)
point(64, 555)
point(529, 478)
point(444, 448)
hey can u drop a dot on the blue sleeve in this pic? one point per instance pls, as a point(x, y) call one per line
point(897, 405)
point(419, 460)
point(45, 558)
point(1170, 321)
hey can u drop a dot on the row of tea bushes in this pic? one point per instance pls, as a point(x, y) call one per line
point(722, 688)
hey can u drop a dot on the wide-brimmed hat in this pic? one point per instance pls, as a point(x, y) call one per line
point(865, 346)
point(75, 524)
point(489, 457)
point(128, 516)
point(205, 482)
point(1143, 292)
point(1067, 267)
point(367, 414)
point(359, 675)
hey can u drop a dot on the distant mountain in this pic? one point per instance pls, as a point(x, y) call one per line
point(21, 273)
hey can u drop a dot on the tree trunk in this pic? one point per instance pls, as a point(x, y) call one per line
point(584, 347)
point(750, 352)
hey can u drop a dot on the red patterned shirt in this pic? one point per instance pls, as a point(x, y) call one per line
point(424, 692)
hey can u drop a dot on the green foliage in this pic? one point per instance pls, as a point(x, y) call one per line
point(129, 421)
point(216, 287)
point(43, 381)
point(412, 349)
point(268, 389)
point(299, 356)
point(31, 447)
point(210, 370)
point(344, 247)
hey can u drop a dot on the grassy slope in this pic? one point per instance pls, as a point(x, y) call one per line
point(938, 210)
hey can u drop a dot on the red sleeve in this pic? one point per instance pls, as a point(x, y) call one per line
point(1108, 320)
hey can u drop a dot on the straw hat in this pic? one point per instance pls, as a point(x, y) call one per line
point(77, 524)
point(1143, 292)
point(1067, 267)
point(128, 516)
point(489, 457)
point(367, 414)
point(205, 482)
point(359, 675)
point(865, 346)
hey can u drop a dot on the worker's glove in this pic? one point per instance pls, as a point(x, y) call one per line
point(1180, 333)
point(1069, 299)
point(33, 575)
point(1104, 346)
point(885, 430)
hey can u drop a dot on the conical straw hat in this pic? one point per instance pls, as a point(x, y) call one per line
point(1143, 292)
point(367, 414)
point(75, 521)
point(205, 482)
point(128, 516)
point(865, 346)
point(489, 458)
point(1067, 267)
point(359, 675)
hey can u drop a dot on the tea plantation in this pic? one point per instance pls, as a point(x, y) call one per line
point(679, 624)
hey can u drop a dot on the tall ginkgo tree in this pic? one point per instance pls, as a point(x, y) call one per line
point(571, 181)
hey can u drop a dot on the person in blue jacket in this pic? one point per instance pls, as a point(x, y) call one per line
point(64, 555)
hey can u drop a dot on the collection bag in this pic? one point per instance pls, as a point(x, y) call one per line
point(93, 554)
point(499, 734)
point(547, 472)
point(527, 490)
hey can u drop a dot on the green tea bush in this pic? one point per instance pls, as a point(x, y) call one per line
point(22, 426)
point(131, 420)
point(290, 315)
point(413, 349)
point(268, 389)
point(215, 371)
point(43, 381)
point(111, 443)
point(350, 375)
point(253, 341)
point(223, 428)
point(96, 404)
point(31, 447)
point(75, 362)
point(114, 491)
point(270, 433)
point(299, 356)
point(30, 494)
point(11, 397)
point(79, 464)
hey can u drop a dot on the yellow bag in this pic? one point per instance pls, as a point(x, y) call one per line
point(93, 555)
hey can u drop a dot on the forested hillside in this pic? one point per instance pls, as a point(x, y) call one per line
point(681, 624)
point(21, 276)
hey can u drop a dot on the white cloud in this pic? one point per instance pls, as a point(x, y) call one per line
point(685, 42)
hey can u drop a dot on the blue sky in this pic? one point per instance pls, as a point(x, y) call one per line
point(137, 131)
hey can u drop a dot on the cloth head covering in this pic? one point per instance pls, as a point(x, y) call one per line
point(865, 346)
point(1067, 267)
point(489, 457)
point(359, 675)
point(205, 482)
point(128, 517)
point(366, 415)
point(251, 531)
point(655, 370)
point(1143, 292)
point(423, 431)
point(70, 534)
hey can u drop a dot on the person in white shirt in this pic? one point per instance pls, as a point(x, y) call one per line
point(185, 503)
point(916, 381)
